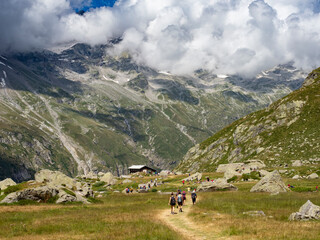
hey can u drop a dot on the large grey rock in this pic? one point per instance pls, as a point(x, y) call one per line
point(55, 179)
point(86, 191)
point(263, 173)
point(231, 166)
point(90, 175)
point(6, 183)
point(197, 176)
point(270, 183)
point(313, 176)
point(296, 163)
point(109, 179)
point(164, 173)
point(308, 211)
point(39, 194)
point(241, 168)
point(255, 164)
point(229, 173)
point(65, 197)
point(296, 177)
point(82, 199)
point(217, 185)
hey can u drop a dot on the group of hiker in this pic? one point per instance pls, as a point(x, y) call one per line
point(179, 200)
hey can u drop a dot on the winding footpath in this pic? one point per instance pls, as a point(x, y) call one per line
point(182, 223)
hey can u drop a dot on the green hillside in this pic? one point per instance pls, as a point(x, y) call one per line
point(287, 130)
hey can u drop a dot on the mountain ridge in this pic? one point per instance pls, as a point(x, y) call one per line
point(82, 109)
point(285, 131)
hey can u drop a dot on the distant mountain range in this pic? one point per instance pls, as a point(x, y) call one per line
point(76, 109)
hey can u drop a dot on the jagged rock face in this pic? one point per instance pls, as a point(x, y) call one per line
point(308, 211)
point(6, 183)
point(81, 110)
point(40, 194)
point(271, 183)
point(55, 178)
point(218, 185)
point(286, 128)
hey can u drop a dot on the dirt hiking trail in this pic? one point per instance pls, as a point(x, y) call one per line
point(183, 224)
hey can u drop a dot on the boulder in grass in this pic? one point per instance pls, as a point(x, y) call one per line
point(313, 176)
point(263, 173)
point(109, 179)
point(55, 179)
point(219, 184)
point(308, 211)
point(39, 194)
point(164, 173)
point(296, 163)
point(231, 173)
point(197, 176)
point(6, 183)
point(65, 197)
point(296, 177)
point(230, 166)
point(271, 183)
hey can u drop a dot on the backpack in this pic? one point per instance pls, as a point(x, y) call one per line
point(173, 201)
point(179, 198)
point(193, 195)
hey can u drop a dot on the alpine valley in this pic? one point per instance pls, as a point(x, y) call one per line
point(78, 109)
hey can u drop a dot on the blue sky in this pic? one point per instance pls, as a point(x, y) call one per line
point(99, 3)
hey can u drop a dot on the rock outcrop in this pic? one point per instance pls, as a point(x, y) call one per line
point(270, 183)
point(108, 178)
point(164, 173)
point(6, 183)
point(296, 163)
point(308, 211)
point(237, 169)
point(231, 173)
point(313, 176)
point(218, 185)
point(55, 179)
point(39, 194)
point(65, 197)
point(296, 177)
point(197, 176)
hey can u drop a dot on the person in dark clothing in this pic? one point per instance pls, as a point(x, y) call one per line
point(194, 197)
point(172, 203)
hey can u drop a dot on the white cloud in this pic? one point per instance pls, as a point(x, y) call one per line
point(225, 36)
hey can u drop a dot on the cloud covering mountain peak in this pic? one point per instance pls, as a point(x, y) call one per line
point(225, 36)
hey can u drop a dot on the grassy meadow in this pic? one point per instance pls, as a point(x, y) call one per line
point(120, 216)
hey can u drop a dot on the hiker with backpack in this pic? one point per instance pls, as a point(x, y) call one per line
point(194, 196)
point(172, 203)
point(180, 201)
point(184, 198)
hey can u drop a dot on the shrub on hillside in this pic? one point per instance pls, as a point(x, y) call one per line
point(12, 189)
point(253, 175)
point(234, 178)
